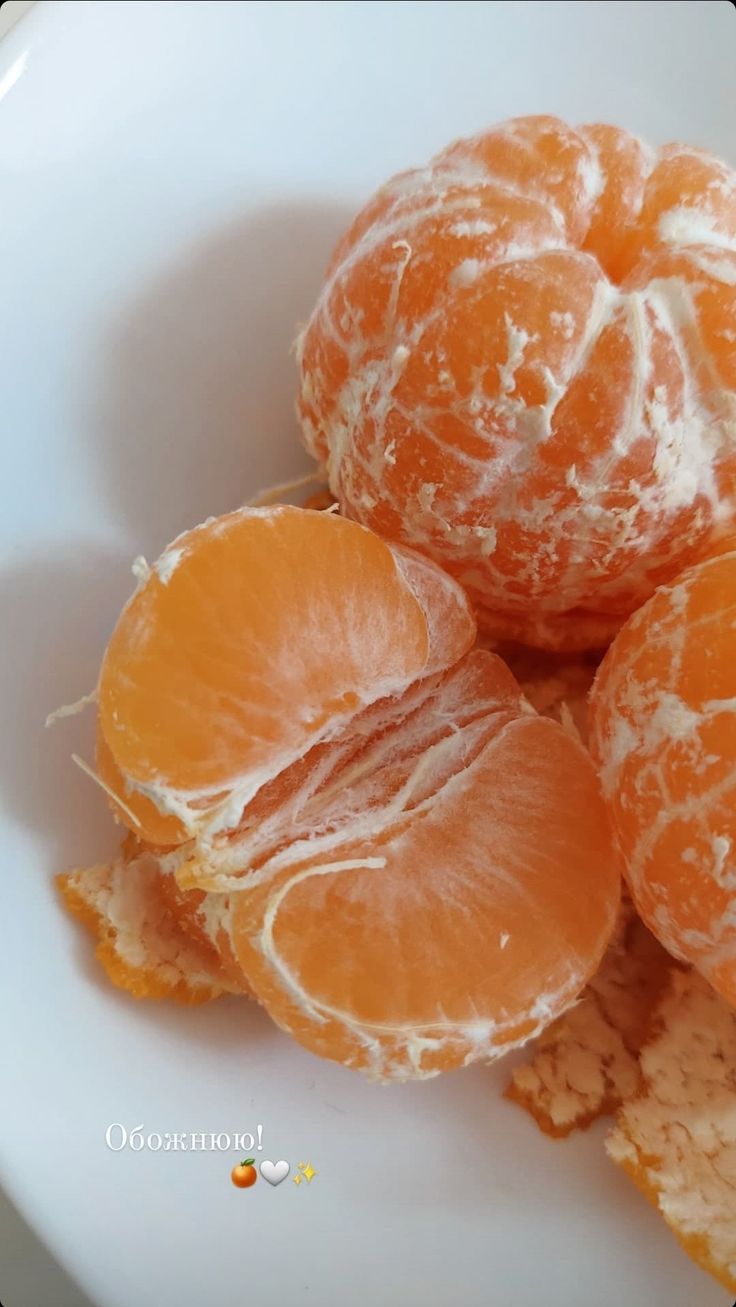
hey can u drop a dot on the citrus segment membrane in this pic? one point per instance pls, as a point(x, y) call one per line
point(395, 757)
point(154, 940)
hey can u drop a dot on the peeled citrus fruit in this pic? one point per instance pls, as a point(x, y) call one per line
point(408, 866)
point(522, 364)
point(663, 732)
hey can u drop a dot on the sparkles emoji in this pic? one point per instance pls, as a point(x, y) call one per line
point(305, 1171)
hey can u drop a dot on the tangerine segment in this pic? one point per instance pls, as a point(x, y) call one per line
point(689, 199)
point(450, 927)
point(539, 157)
point(256, 636)
point(154, 940)
point(625, 163)
point(698, 285)
point(134, 809)
point(504, 371)
point(663, 732)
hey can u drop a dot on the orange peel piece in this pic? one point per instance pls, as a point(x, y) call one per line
point(556, 685)
point(676, 1137)
point(154, 940)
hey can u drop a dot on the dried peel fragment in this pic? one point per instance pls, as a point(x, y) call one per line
point(676, 1138)
point(556, 685)
point(154, 939)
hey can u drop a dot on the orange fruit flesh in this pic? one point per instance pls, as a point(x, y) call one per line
point(624, 164)
point(663, 732)
point(447, 928)
point(520, 362)
point(689, 199)
point(254, 638)
point(134, 810)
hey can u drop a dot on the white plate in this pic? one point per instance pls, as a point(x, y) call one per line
point(173, 177)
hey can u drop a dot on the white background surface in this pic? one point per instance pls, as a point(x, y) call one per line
point(29, 1275)
point(11, 11)
point(173, 178)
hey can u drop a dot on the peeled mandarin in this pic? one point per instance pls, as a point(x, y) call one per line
point(522, 364)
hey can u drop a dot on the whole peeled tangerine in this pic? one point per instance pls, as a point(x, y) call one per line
point(523, 363)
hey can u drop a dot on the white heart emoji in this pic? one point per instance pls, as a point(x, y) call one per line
point(275, 1172)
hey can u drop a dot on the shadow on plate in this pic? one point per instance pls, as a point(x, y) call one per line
point(232, 1027)
point(57, 613)
point(56, 610)
point(191, 414)
point(28, 1272)
point(194, 411)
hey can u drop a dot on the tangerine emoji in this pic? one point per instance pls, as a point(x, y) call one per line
point(521, 364)
point(244, 1174)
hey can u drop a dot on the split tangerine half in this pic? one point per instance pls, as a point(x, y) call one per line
point(415, 871)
